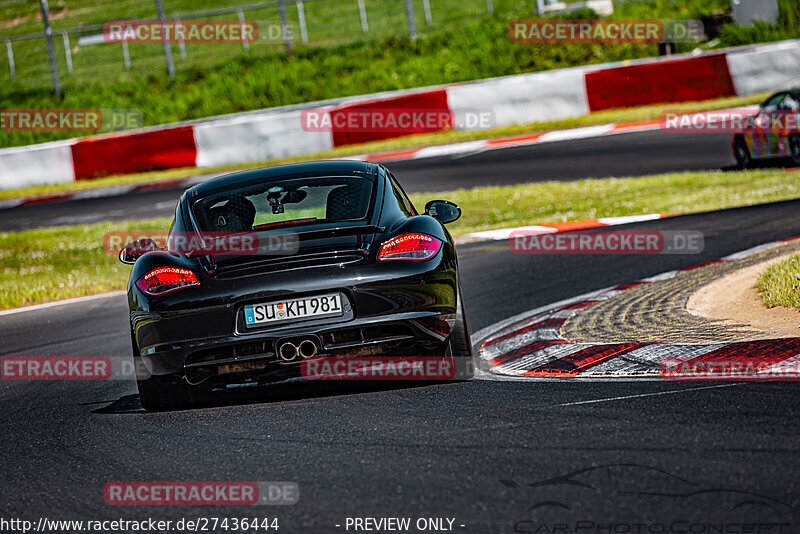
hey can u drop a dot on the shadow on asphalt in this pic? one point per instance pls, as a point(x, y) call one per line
point(130, 404)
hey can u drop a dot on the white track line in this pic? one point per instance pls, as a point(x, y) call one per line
point(101, 192)
point(571, 134)
point(65, 302)
point(654, 394)
point(13, 203)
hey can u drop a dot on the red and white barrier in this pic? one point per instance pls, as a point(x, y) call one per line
point(524, 98)
point(765, 68)
point(686, 79)
point(259, 137)
point(44, 164)
point(432, 101)
point(126, 153)
point(511, 100)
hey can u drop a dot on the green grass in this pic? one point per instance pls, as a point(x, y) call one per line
point(487, 208)
point(780, 284)
point(256, 80)
point(329, 23)
point(61, 262)
point(788, 27)
point(604, 117)
point(463, 44)
point(56, 263)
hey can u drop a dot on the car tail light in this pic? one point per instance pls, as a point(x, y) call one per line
point(166, 279)
point(414, 247)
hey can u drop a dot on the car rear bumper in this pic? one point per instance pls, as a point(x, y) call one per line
point(410, 315)
point(237, 359)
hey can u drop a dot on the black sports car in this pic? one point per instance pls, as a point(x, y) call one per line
point(350, 268)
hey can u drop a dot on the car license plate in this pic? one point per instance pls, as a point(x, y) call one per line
point(288, 310)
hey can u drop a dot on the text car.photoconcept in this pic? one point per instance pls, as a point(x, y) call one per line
point(340, 264)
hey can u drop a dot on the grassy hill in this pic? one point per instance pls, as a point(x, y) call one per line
point(463, 43)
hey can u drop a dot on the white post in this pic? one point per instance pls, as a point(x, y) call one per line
point(181, 41)
point(426, 6)
point(67, 52)
point(126, 56)
point(362, 9)
point(11, 67)
point(301, 15)
point(490, 7)
point(245, 44)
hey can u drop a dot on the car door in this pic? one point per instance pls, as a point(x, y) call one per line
point(762, 140)
point(789, 110)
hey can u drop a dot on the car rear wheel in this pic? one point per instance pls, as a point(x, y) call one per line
point(459, 344)
point(741, 153)
point(794, 149)
point(156, 395)
point(165, 392)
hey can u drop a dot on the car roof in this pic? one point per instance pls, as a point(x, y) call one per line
point(294, 170)
point(794, 91)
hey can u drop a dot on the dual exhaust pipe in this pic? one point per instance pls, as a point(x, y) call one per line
point(288, 351)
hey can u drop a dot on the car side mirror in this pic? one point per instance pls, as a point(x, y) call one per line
point(443, 210)
point(135, 250)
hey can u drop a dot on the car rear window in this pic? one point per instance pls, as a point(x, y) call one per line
point(280, 203)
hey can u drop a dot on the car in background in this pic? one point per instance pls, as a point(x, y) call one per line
point(364, 273)
point(774, 132)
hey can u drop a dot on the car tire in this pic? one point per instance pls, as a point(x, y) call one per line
point(164, 392)
point(742, 153)
point(459, 344)
point(794, 149)
point(157, 396)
